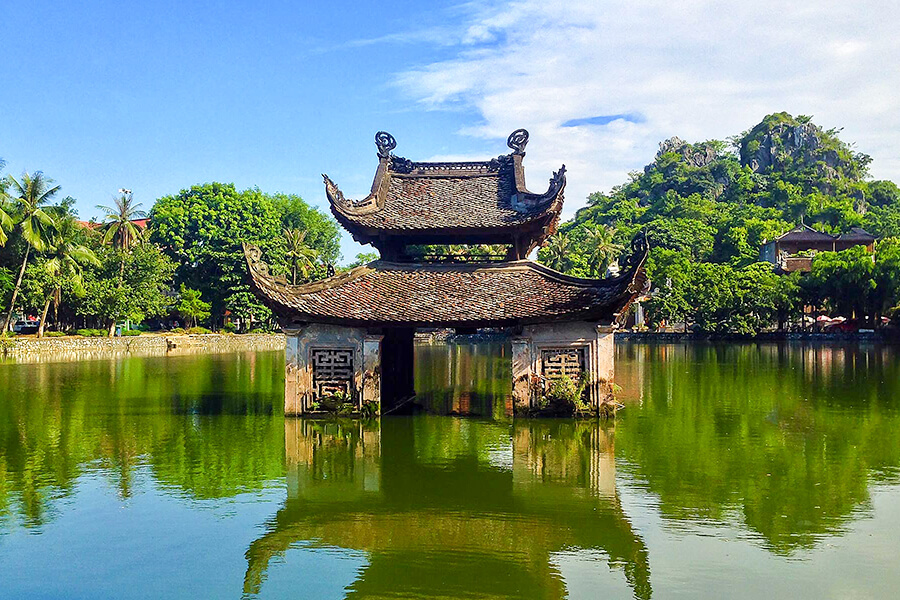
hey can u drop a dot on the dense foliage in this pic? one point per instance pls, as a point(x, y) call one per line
point(707, 208)
point(187, 265)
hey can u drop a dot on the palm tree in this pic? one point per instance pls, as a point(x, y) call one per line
point(6, 222)
point(119, 229)
point(601, 248)
point(32, 195)
point(299, 255)
point(556, 252)
point(67, 256)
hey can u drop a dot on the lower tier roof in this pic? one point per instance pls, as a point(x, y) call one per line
point(448, 295)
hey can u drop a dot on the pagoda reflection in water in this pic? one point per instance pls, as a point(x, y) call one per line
point(453, 507)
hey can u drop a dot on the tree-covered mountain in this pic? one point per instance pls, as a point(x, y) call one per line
point(716, 202)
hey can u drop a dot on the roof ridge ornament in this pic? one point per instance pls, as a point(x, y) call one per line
point(517, 140)
point(385, 143)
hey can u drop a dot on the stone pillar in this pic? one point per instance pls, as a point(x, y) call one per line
point(553, 349)
point(372, 370)
point(521, 374)
point(321, 361)
point(606, 354)
point(292, 396)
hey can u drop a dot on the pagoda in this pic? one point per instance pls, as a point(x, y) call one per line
point(351, 335)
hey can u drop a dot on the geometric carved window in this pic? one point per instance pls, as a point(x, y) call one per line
point(559, 362)
point(332, 370)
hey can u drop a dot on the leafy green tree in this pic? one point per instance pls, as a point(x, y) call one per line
point(6, 285)
point(301, 257)
point(202, 230)
point(845, 280)
point(670, 272)
point(143, 292)
point(322, 232)
point(191, 306)
point(886, 295)
point(31, 196)
point(363, 258)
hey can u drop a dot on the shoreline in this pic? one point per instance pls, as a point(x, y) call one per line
point(874, 337)
point(70, 348)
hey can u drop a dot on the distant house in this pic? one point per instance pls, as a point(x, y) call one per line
point(785, 251)
point(141, 224)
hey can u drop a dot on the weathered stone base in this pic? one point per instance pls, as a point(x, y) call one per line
point(331, 369)
point(542, 354)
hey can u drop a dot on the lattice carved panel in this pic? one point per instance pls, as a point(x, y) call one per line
point(562, 362)
point(332, 370)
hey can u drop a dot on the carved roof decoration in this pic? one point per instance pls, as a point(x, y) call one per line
point(448, 295)
point(419, 201)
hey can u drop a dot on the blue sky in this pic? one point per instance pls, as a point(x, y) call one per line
point(157, 96)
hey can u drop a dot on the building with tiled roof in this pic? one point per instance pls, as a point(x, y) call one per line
point(351, 335)
point(791, 251)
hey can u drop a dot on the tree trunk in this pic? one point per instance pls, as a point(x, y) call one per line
point(40, 332)
point(12, 302)
point(112, 327)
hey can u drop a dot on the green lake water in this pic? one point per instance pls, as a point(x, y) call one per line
point(734, 471)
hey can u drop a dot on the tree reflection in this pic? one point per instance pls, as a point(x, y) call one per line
point(782, 439)
point(453, 508)
point(58, 421)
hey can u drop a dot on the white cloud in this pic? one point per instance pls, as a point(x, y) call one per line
point(698, 69)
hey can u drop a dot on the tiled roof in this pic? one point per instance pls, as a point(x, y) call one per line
point(417, 203)
point(857, 234)
point(804, 233)
point(448, 295)
point(420, 197)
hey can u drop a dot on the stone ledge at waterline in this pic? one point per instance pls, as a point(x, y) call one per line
point(85, 348)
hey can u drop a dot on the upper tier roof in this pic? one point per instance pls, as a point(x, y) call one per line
point(450, 295)
point(451, 202)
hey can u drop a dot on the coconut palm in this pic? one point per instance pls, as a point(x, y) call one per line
point(64, 263)
point(6, 222)
point(299, 255)
point(556, 252)
point(601, 249)
point(31, 195)
point(119, 229)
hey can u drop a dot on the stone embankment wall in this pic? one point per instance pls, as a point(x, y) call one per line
point(79, 348)
point(885, 336)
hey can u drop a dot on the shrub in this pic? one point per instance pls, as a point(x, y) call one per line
point(565, 394)
point(130, 333)
point(91, 333)
point(257, 331)
point(198, 331)
point(369, 409)
point(55, 334)
point(177, 330)
point(229, 328)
